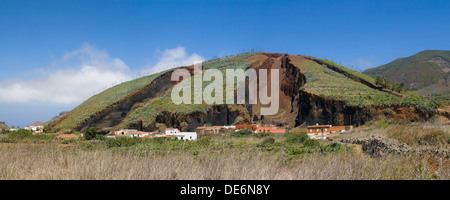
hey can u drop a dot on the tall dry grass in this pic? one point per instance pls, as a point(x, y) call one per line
point(52, 161)
point(414, 134)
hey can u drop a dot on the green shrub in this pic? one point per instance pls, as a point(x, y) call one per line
point(262, 134)
point(268, 141)
point(296, 137)
point(311, 143)
point(204, 141)
point(90, 133)
point(333, 147)
point(4, 131)
point(242, 133)
point(26, 135)
point(21, 134)
point(382, 124)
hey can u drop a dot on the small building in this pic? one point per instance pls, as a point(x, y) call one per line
point(212, 130)
point(324, 131)
point(140, 134)
point(319, 129)
point(251, 127)
point(172, 131)
point(35, 128)
point(125, 132)
point(270, 129)
point(229, 127)
point(187, 136)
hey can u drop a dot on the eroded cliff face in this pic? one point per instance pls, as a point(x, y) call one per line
point(296, 108)
point(217, 115)
point(314, 109)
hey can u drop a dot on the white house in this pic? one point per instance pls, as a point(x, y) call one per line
point(125, 132)
point(228, 127)
point(34, 128)
point(139, 134)
point(172, 131)
point(187, 136)
point(181, 135)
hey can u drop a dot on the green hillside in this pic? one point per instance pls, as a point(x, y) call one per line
point(107, 98)
point(323, 78)
point(426, 73)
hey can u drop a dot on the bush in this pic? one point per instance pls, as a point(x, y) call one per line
point(268, 141)
point(23, 134)
point(296, 137)
point(90, 133)
point(311, 143)
point(4, 131)
point(242, 133)
point(382, 124)
point(261, 135)
point(204, 141)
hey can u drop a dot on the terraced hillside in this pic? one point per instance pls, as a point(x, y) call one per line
point(311, 91)
point(426, 72)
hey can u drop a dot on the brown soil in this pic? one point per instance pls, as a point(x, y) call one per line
point(67, 136)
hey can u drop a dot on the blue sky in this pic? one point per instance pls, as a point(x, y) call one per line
point(41, 40)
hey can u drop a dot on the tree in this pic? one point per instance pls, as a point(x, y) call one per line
point(184, 126)
point(90, 133)
point(161, 127)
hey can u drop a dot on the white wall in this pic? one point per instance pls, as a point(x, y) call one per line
point(188, 135)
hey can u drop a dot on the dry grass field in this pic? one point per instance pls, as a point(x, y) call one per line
point(226, 158)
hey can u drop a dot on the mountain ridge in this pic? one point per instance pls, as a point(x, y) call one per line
point(426, 73)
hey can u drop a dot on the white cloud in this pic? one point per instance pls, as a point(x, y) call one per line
point(79, 73)
point(364, 62)
point(171, 58)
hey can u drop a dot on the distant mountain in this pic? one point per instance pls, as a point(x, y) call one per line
point(426, 72)
point(55, 118)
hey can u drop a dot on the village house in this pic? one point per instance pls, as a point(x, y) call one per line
point(323, 131)
point(271, 129)
point(212, 130)
point(251, 127)
point(35, 128)
point(261, 129)
point(125, 132)
point(173, 132)
point(141, 134)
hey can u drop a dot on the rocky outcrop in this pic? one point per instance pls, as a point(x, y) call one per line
point(378, 146)
point(217, 115)
point(314, 109)
point(444, 111)
point(3, 125)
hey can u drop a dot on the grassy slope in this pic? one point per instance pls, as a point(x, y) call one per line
point(149, 110)
point(101, 101)
point(423, 76)
point(325, 82)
